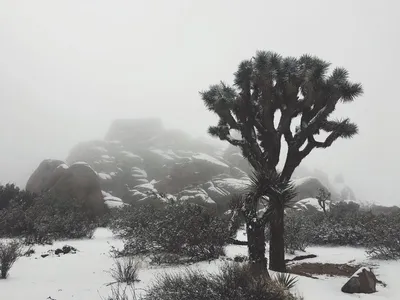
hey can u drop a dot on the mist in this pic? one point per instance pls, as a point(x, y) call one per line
point(69, 68)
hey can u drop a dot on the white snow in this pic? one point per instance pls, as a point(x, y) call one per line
point(130, 154)
point(100, 149)
point(80, 163)
point(112, 201)
point(210, 159)
point(145, 187)
point(162, 153)
point(62, 166)
point(203, 198)
point(302, 180)
point(308, 202)
point(233, 183)
point(138, 173)
point(84, 275)
point(105, 156)
point(104, 176)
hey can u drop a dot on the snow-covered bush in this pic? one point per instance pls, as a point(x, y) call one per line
point(10, 192)
point(384, 242)
point(45, 219)
point(297, 233)
point(9, 253)
point(346, 224)
point(234, 281)
point(175, 233)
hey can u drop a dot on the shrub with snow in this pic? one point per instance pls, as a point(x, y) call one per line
point(346, 224)
point(45, 219)
point(9, 253)
point(176, 233)
point(385, 237)
point(11, 192)
point(233, 281)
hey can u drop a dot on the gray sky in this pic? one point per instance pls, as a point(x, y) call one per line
point(68, 68)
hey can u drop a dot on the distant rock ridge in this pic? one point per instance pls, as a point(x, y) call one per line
point(139, 158)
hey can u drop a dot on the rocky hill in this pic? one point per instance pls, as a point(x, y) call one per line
point(139, 158)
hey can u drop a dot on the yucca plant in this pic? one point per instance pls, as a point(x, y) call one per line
point(286, 280)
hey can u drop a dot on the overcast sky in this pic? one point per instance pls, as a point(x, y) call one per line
point(68, 68)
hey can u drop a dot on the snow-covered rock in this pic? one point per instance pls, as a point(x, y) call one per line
point(136, 152)
point(197, 196)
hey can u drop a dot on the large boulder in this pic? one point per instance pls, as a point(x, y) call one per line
point(363, 281)
point(308, 187)
point(42, 178)
point(78, 181)
point(198, 196)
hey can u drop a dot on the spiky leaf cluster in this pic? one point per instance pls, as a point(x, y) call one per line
point(296, 87)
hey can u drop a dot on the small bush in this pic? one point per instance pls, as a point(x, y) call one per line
point(345, 224)
point(234, 281)
point(10, 192)
point(46, 219)
point(176, 233)
point(384, 242)
point(9, 253)
point(125, 271)
point(122, 293)
point(297, 233)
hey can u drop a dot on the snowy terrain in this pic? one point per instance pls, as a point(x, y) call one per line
point(84, 275)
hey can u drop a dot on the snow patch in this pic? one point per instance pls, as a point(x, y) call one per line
point(104, 176)
point(162, 153)
point(210, 159)
point(62, 166)
point(138, 173)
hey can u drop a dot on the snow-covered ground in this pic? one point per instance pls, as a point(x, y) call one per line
point(84, 275)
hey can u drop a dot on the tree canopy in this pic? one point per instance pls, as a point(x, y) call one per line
point(296, 87)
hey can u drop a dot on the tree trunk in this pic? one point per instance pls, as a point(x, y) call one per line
point(277, 225)
point(256, 247)
point(277, 244)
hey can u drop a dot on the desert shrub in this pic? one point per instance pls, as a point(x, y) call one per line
point(125, 270)
point(234, 281)
point(10, 192)
point(122, 292)
point(178, 232)
point(297, 233)
point(9, 253)
point(384, 241)
point(45, 219)
point(345, 224)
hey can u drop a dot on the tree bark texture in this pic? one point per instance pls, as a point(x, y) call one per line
point(256, 247)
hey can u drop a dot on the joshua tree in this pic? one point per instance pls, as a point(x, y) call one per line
point(269, 93)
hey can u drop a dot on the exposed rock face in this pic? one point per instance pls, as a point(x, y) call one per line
point(40, 180)
point(78, 181)
point(308, 187)
point(363, 281)
point(140, 158)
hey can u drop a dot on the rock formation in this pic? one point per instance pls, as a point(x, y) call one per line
point(140, 158)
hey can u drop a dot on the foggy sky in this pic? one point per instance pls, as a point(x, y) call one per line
point(68, 68)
